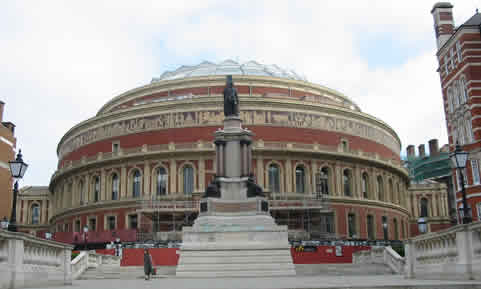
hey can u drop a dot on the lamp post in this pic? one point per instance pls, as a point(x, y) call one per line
point(17, 169)
point(86, 230)
point(458, 160)
point(422, 225)
point(4, 223)
point(117, 246)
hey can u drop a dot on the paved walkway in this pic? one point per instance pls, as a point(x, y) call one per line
point(386, 281)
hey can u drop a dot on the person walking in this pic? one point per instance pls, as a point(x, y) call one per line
point(148, 265)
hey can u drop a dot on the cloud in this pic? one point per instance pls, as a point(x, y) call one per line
point(62, 60)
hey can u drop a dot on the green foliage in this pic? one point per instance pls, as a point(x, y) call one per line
point(74, 255)
point(399, 250)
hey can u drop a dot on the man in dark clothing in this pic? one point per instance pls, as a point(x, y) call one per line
point(148, 267)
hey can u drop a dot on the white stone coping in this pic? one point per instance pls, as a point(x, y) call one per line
point(32, 239)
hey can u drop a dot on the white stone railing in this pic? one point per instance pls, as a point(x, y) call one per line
point(27, 261)
point(394, 260)
point(79, 265)
point(380, 255)
point(90, 259)
point(454, 253)
point(373, 256)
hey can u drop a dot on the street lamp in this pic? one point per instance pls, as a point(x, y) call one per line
point(4, 223)
point(423, 228)
point(458, 160)
point(117, 246)
point(17, 169)
point(86, 229)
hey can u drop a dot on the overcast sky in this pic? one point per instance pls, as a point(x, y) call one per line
point(60, 61)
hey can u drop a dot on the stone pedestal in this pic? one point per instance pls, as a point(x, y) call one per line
point(234, 234)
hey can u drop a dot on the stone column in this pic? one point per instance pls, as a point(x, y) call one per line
point(217, 159)
point(249, 158)
point(289, 186)
point(43, 219)
point(201, 174)
point(464, 242)
point(102, 185)
point(410, 250)
point(67, 267)
point(435, 204)
point(123, 182)
point(338, 179)
point(260, 171)
point(221, 169)
point(173, 175)
point(314, 171)
point(25, 212)
point(15, 256)
point(147, 187)
point(86, 189)
point(357, 182)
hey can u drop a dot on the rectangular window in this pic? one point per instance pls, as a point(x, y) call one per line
point(370, 227)
point(385, 228)
point(458, 51)
point(77, 226)
point(469, 130)
point(351, 220)
point(66, 228)
point(475, 171)
point(111, 222)
point(115, 147)
point(93, 224)
point(133, 221)
point(327, 224)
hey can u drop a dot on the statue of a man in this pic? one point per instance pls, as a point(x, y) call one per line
point(231, 100)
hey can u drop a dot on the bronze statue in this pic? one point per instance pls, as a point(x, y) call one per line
point(213, 189)
point(253, 189)
point(231, 100)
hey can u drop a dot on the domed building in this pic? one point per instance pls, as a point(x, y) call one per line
point(137, 169)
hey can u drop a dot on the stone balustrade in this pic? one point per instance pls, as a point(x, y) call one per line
point(454, 253)
point(395, 262)
point(27, 261)
point(90, 259)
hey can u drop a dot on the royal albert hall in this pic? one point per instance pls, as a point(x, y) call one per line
point(137, 170)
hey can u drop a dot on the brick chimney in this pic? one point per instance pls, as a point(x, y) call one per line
point(410, 151)
point(433, 147)
point(443, 22)
point(422, 151)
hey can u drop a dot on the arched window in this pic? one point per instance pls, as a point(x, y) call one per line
point(35, 213)
point(347, 183)
point(380, 189)
point(399, 194)
point(457, 92)
point(391, 191)
point(161, 187)
point(364, 185)
point(424, 208)
point(396, 232)
point(96, 188)
point(300, 180)
point(136, 184)
point(81, 192)
point(385, 229)
point(115, 187)
point(274, 178)
point(324, 181)
point(188, 172)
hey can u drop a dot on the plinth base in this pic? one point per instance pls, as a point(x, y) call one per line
point(235, 246)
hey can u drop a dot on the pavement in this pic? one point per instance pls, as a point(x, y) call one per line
point(358, 282)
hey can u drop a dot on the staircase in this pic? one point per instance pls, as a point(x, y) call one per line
point(130, 272)
point(235, 263)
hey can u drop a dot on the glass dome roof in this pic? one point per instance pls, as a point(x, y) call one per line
point(229, 67)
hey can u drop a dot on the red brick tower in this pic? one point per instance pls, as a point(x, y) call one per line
point(459, 57)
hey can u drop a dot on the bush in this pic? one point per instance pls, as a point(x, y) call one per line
point(74, 255)
point(399, 250)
